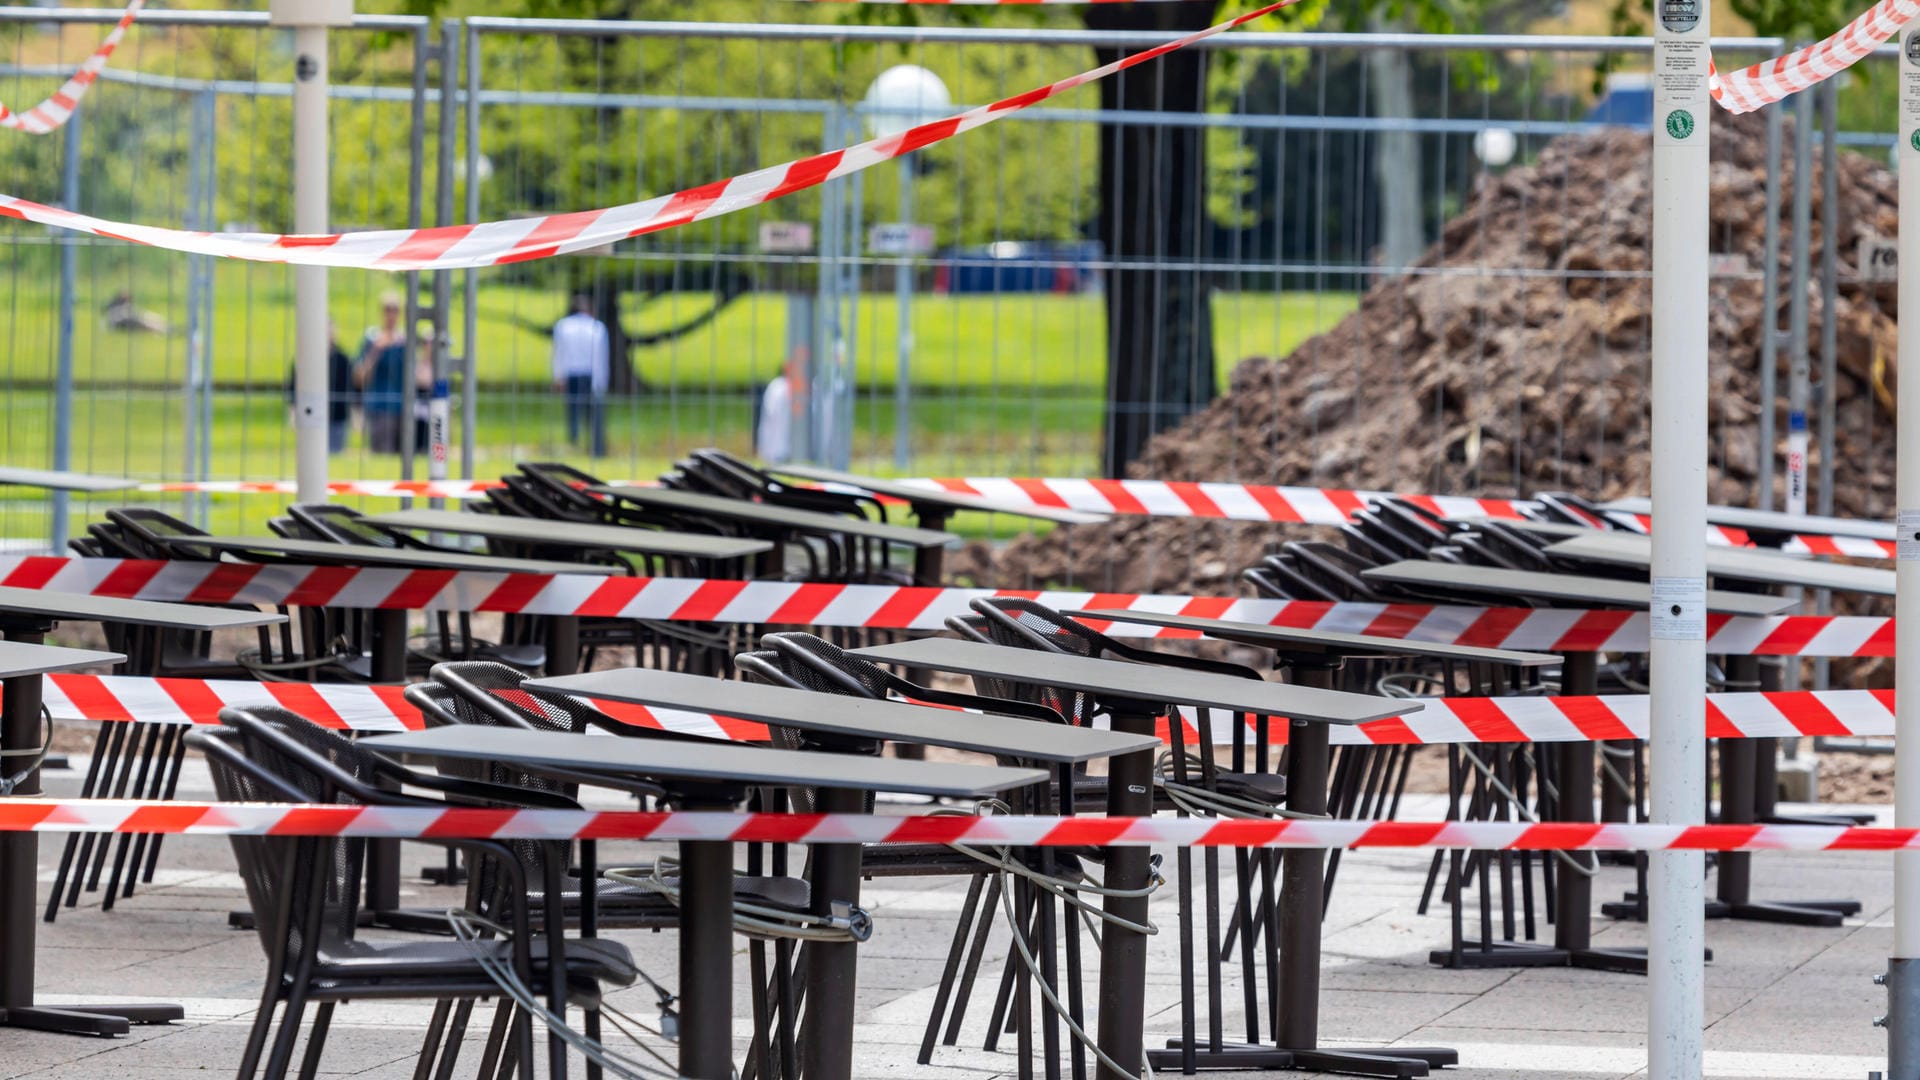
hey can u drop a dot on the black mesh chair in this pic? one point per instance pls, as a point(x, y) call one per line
point(305, 896)
point(806, 662)
point(1021, 623)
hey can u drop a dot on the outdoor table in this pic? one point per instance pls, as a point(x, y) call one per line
point(707, 777)
point(388, 632)
point(1302, 647)
point(25, 617)
point(21, 667)
point(1774, 521)
point(1134, 694)
point(27, 614)
point(584, 536)
point(63, 481)
point(766, 518)
point(1746, 765)
point(1732, 564)
point(831, 966)
point(932, 508)
point(1451, 579)
point(573, 534)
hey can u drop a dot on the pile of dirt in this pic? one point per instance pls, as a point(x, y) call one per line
point(1513, 358)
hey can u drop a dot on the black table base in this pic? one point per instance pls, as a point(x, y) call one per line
point(1394, 1061)
point(19, 863)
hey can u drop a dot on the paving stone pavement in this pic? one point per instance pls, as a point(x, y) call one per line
point(1782, 1001)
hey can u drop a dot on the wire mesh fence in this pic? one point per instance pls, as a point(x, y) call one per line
point(1020, 301)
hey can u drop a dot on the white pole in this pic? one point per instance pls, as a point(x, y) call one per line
point(310, 20)
point(1904, 1027)
point(1676, 918)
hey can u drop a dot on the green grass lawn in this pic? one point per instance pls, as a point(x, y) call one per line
point(1013, 344)
point(1008, 385)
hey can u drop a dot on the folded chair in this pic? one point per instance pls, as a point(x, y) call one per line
point(807, 662)
point(1021, 623)
point(305, 895)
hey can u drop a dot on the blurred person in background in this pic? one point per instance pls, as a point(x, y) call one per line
point(582, 368)
point(777, 406)
point(340, 391)
point(379, 374)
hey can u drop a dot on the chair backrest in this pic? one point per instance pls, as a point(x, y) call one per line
point(487, 694)
point(344, 525)
point(305, 892)
point(1023, 624)
point(563, 486)
point(150, 529)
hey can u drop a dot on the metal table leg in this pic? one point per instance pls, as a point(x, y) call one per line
point(826, 1040)
point(706, 960)
point(19, 864)
point(1123, 953)
point(389, 645)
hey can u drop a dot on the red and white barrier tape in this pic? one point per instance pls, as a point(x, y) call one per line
point(1858, 547)
point(522, 239)
point(1150, 498)
point(1770, 80)
point(896, 607)
point(284, 819)
point(126, 698)
point(59, 106)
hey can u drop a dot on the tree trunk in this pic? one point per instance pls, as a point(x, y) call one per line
point(1153, 221)
point(1396, 155)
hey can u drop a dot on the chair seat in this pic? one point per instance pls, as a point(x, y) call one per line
point(1268, 788)
point(789, 893)
point(359, 960)
point(524, 657)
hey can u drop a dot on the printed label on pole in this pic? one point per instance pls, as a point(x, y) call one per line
point(1910, 93)
point(1907, 532)
point(1680, 67)
point(1797, 441)
point(1679, 609)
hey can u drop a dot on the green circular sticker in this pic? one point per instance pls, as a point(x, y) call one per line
point(1679, 123)
point(1915, 141)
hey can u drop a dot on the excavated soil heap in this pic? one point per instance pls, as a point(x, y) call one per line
point(1513, 358)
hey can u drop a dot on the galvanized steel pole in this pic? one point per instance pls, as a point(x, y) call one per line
point(1903, 976)
point(1682, 123)
point(310, 20)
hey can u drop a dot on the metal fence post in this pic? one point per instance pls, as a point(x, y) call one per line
point(1770, 305)
point(1799, 372)
point(63, 374)
point(1829, 322)
point(469, 353)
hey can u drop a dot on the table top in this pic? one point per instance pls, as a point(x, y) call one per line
point(1541, 585)
point(889, 721)
point(1150, 683)
point(1300, 639)
point(737, 765)
point(572, 534)
point(64, 481)
point(19, 658)
point(952, 500)
point(1738, 564)
point(1741, 517)
point(783, 517)
point(374, 555)
point(80, 607)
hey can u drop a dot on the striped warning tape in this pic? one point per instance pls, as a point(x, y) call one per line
point(407, 822)
point(1859, 547)
point(519, 240)
point(897, 607)
point(515, 240)
point(59, 106)
point(1151, 498)
point(127, 698)
point(1770, 80)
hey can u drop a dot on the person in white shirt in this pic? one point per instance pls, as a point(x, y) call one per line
point(773, 435)
point(582, 367)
